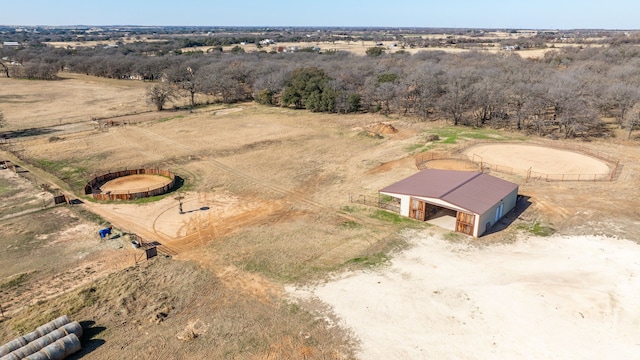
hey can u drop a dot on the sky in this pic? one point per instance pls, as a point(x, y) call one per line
point(496, 14)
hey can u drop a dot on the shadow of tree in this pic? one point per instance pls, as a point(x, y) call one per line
point(26, 132)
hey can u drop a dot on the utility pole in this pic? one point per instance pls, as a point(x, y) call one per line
point(179, 198)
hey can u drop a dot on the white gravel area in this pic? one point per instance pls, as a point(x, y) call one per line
point(561, 297)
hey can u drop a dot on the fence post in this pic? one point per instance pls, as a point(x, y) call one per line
point(615, 169)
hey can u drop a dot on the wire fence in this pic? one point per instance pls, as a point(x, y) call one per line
point(530, 175)
point(422, 159)
point(378, 200)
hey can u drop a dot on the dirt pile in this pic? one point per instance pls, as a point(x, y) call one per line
point(383, 128)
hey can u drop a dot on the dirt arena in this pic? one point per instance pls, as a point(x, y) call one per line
point(539, 159)
point(134, 183)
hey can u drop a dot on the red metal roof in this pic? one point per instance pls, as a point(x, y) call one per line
point(473, 191)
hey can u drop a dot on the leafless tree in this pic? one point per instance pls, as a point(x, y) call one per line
point(185, 76)
point(458, 93)
point(621, 98)
point(5, 68)
point(632, 119)
point(158, 94)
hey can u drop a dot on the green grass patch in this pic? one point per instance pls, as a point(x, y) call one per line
point(427, 148)
point(351, 209)
point(390, 217)
point(537, 228)
point(386, 198)
point(450, 140)
point(451, 135)
point(369, 260)
point(88, 215)
point(541, 230)
point(446, 135)
point(6, 190)
point(76, 177)
point(350, 225)
point(453, 236)
point(414, 147)
point(171, 118)
point(370, 135)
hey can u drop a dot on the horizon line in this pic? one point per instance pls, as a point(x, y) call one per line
point(318, 27)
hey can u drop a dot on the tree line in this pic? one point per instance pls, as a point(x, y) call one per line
point(567, 93)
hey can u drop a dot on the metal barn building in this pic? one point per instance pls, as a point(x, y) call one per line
point(476, 200)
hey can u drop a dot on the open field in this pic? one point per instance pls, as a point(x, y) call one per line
point(266, 200)
point(360, 48)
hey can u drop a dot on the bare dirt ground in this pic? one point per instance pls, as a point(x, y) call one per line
point(453, 164)
point(266, 204)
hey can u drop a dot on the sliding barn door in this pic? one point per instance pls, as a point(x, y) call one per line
point(417, 210)
point(464, 223)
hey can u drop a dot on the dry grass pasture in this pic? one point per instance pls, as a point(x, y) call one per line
point(267, 203)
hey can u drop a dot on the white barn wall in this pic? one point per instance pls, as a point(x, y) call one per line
point(489, 216)
point(480, 220)
point(405, 201)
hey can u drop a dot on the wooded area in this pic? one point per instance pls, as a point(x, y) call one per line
point(569, 92)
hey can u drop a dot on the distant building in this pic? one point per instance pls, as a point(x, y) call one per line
point(267, 42)
point(10, 44)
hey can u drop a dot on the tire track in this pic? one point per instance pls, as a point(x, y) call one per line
point(295, 195)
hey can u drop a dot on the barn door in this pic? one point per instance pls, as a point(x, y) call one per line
point(465, 222)
point(417, 210)
point(499, 213)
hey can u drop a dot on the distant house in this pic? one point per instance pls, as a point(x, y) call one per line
point(10, 44)
point(267, 42)
point(469, 202)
